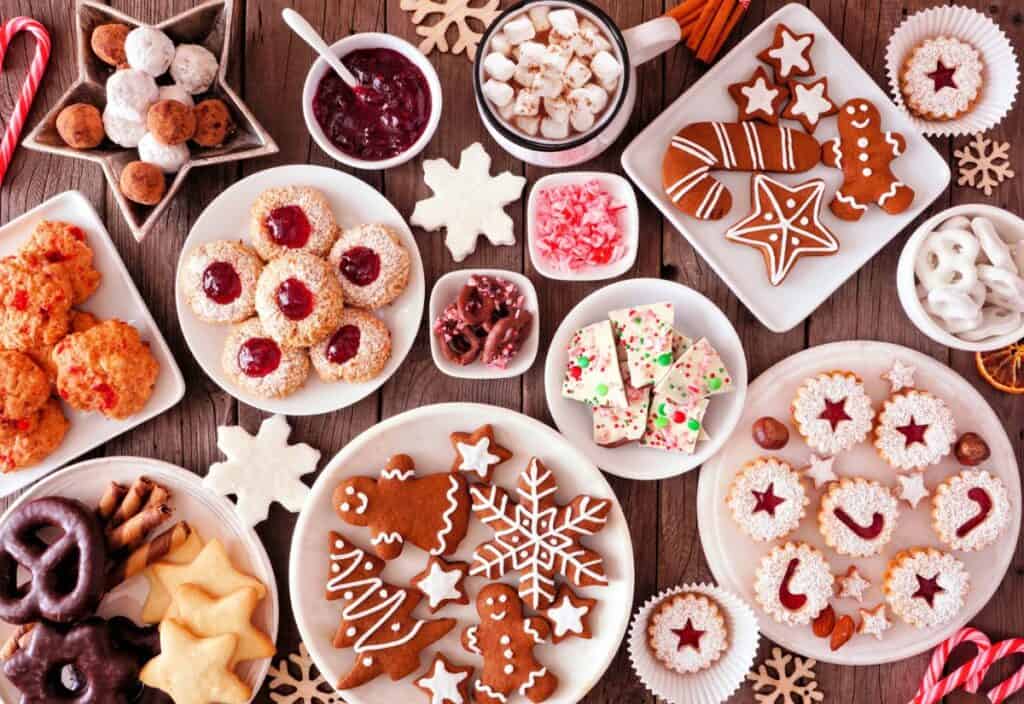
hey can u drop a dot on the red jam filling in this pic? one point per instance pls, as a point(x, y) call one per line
point(288, 226)
point(381, 118)
point(360, 265)
point(54, 257)
point(20, 301)
point(942, 76)
point(689, 637)
point(984, 501)
point(221, 283)
point(344, 344)
point(766, 500)
point(869, 532)
point(927, 588)
point(294, 299)
point(791, 601)
point(913, 432)
point(259, 356)
point(834, 413)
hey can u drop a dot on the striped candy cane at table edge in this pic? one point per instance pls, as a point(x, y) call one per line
point(1015, 681)
point(974, 671)
point(941, 656)
point(28, 89)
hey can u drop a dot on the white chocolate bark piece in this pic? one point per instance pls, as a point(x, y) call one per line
point(698, 372)
point(675, 426)
point(644, 333)
point(617, 426)
point(592, 374)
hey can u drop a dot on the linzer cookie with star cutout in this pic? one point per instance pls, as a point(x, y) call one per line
point(793, 583)
point(687, 632)
point(926, 587)
point(970, 510)
point(858, 517)
point(832, 411)
point(767, 498)
point(914, 429)
point(942, 78)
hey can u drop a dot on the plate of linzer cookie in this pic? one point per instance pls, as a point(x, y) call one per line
point(646, 377)
point(300, 290)
point(868, 503)
point(461, 546)
point(132, 577)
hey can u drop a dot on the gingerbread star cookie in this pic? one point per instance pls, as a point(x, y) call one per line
point(211, 571)
point(810, 103)
point(478, 453)
point(789, 54)
point(207, 616)
point(195, 670)
point(446, 683)
point(759, 98)
point(442, 583)
point(569, 615)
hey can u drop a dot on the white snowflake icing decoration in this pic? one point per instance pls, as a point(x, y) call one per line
point(900, 376)
point(820, 470)
point(477, 458)
point(468, 201)
point(307, 687)
point(261, 469)
point(912, 488)
point(852, 585)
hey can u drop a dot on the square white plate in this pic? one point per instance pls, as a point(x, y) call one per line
point(812, 280)
point(116, 297)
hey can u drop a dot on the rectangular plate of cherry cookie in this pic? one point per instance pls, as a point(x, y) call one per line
point(788, 199)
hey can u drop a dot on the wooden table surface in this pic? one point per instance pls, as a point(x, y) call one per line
point(268, 66)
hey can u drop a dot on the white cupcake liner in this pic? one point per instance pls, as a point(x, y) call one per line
point(714, 684)
point(1001, 76)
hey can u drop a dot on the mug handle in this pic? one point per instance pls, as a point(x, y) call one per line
point(651, 39)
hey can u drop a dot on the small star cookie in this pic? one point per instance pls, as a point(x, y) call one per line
point(446, 683)
point(195, 670)
point(820, 470)
point(211, 571)
point(912, 488)
point(874, 621)
point(759, 98)
point(207, 617)
point(478, 453)
point(569, 615)
point(900, 376)
point(852, 585)
point(442, 583)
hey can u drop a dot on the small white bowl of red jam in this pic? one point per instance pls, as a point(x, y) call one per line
point(389, 118)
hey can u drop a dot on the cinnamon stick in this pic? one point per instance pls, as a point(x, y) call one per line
point(701, 26)
point(685, 8)
point(734, 19)
point(715, 28)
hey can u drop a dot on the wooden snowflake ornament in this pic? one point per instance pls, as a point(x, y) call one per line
point(452, 13)
point(984, 164)
point(297, 681)
point(783, 687)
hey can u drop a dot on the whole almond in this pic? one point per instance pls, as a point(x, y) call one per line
point(824, 622)
point(842, 633)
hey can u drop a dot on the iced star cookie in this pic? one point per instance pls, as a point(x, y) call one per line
point(810, 103)
point(914, 429)
point(687, 633)
point(942, 78)
point(356, 351)
point(644, 334)
point(63, 246)
point(926, 587)
point(793, 583)
point(970, 510)
point(698, 371)
point(478, 453)
point(442, 582)
point(569, 615)
point(592, 375)
point(857, 517)
point(292, 219)
point(617, 426)
point(257, 364)
point(759, 98)
point(832, 411)
point(219, 280)
point(767, 499)
point(789, 54)
point(676, 427)
point(372, 265)
point(299, 299)
point(445, 683)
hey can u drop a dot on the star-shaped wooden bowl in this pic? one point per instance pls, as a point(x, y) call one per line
point(208, 24)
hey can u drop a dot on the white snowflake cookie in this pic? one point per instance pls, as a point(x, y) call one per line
point(926, 587)
point(767, 499)
point(857, 517)
point(832, 411)
point(970, 510)
point(914, 429)
point(686, 632)
point(793, 583)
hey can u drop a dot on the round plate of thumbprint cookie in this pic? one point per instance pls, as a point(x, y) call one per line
point(461, 546)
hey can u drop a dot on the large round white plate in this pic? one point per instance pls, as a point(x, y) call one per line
point(696, 317)
point(353, 202)
point(423, 434)
point(733, 557)
point(211, 516)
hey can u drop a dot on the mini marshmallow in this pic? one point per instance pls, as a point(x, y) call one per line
point(148, 49)
point(519, 30)
point(1020, 256)
point(606, 67)
point(508, 111)
point(553, 129)
point(524, 75)
point(577, 74)
point(498, 93)
point(997, 251)
point(557, 108)
point(125, 133)
point(564, 22)
point(539, 17)
point(556, 60)
point(547, 86)
point(590, 98)
point(194, 67)
point(130, 92)
point(595, 35)
point(609, 86)
point(531, 54)
point(527, 103)
point(500, 44)
point(176, 92)
point(169, 157)
point(498, 66)
point(582, 120)
point(528, 125)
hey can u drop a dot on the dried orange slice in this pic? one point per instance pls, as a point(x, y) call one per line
point(1003, 368)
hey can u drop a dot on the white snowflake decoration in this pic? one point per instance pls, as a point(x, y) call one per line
point(820, 470)
point(984, 167)
point(900, 376)
point(796, 687)
point(912, 488)
point(453, 13)
point(308, 687)
point(261, 469)
point(468, 201)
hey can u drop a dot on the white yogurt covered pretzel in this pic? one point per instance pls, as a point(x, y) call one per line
point(948, 258)
point(952, 304)
point(1005, 289)
point(997, 251)
point(995, 321)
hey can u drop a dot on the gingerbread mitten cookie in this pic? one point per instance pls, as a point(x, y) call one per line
point(865, 153)
point(505, 638)
point(430, 512)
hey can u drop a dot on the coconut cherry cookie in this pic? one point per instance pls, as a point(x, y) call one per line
point(970, 510)
point(62, 245)
point(832, 411)
point(857, 517)
point(219, 279)
point(942, 78)
point(292, 218)
point(793, 583)
point(43, 355)
point(686, 632)
point(299, 299)
point(356, 351)
point(34, 305)
point(42, 436)
point(372, 265)
point(925, 587)
point(767, 499)
point(24, 387)
point(914, 429)
point(256, 363)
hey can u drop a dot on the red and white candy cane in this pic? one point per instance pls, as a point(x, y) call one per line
point(941, 656)
point(28, 89)
point(970, 674)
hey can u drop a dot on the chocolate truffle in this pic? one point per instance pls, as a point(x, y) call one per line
point(108, 43)
point(171, 122)
point(80, 125)
point(142, 182)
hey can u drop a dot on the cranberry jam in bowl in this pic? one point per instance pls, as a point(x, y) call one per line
point(389, 118)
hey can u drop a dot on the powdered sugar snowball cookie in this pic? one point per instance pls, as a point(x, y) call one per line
point(832, 411)
point(793, 583)
point(130, 92)
point(169, 157)
point(857, 517)
point(148, 49)
point(292, 218)
point(176, 92)
point(257, 364)
point(767, 499)
point(219, 279)
point(914, 429)
point(193, 67)
point(372, 265)
point(970, 510)
point(687, 632)
point(926, 587)
point(355, 351)
point(299, 299)
point(942, 78)
point(123, 131)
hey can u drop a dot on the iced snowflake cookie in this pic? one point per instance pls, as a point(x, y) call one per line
point(219, 279)
point(926, 587)
point(356, 351)
point(793, 583)
point(942, 78)
point(832, 411)
point(372, 265)
point(256, 363)
point(767, 499)
point(970, 510)
point(857, 517)
point(914, 429)
point(686, 632)
point(299, 299)
point(289, 219)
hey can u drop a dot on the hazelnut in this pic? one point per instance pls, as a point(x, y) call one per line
point(80, 125)
point(142, 182)
point(971, 449)
point(770, 433)
point(213, 123)
point(108, 43)
point(171, 121)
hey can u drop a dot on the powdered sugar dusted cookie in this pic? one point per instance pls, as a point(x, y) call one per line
point(644, 333)
point(759, 98)
point(832, 411)
point(478, 453)
point(942, 78)
point(858, 517)
point(442, 583)
point(569, 615)
point(592, 375)
point(299, 299)
point(853, 585)
point(874, 622)
point(219, 279)
point(914, 429)
point(970, 510)
point(372, 265)
point(789, 54)
point(767, 499)
point(793, 583)
point(356, 351)
point(258, 364)
point(617, 426)
point(290, 219)
point(686, 632)
point(926, 587)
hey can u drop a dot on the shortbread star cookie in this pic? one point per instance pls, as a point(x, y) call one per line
point(207, 616)
point(195, 670)
point(211, 571)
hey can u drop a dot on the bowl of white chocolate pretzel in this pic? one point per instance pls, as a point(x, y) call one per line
point(961, 278)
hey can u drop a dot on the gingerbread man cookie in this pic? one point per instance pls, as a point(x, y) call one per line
point(431, 512)
point(865, 153)
point(505, 638)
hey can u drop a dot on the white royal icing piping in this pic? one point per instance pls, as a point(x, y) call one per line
point(453, 505)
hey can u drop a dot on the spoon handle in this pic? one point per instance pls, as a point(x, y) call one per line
point(305, 30)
